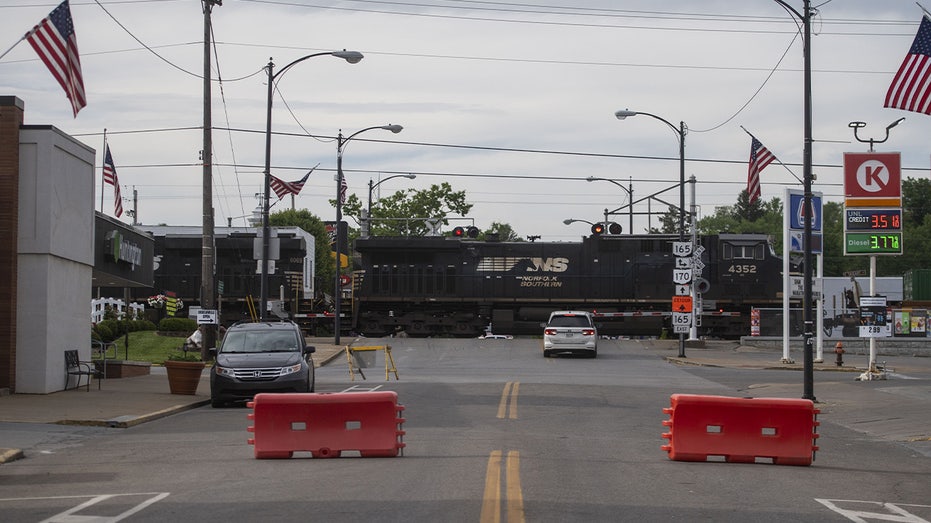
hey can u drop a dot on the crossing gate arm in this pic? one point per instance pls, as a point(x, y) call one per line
point(353, 363)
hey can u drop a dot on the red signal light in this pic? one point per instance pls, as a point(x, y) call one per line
point(458, 232)
point(598, 228)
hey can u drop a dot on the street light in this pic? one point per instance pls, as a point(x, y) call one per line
point(808, 177)
point(630, 195)
point(340, 145)
point(372, 186)
point(570, 221)
point(680, 131)
point(352, 57)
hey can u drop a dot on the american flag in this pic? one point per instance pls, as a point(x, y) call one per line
point(57, 45)
point(283, 188)
point(342, 189)
point(109, 176)
point(911, 87)
point(760, 157)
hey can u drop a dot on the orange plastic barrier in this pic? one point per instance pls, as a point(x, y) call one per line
point(740, 430)
point(326, 424)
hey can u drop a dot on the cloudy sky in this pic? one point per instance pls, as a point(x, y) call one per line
point(512, 102)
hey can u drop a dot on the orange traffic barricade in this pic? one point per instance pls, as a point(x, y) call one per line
point(327, 424)
point(741, 430)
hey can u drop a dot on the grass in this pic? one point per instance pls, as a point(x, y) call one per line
point(147, 346)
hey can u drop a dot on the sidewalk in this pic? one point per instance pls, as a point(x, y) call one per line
point(119, 403)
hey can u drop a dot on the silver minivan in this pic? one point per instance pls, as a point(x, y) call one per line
point(570, 332)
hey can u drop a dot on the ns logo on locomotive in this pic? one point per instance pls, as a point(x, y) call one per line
point(438, 286)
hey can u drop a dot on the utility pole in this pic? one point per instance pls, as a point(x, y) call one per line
point(207, 288)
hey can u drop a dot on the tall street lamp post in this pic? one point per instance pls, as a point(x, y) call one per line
point(337, 284)
point(630, 194)
point(680, 131)
point(352, 57)
point(807, 177)
point(372, 186)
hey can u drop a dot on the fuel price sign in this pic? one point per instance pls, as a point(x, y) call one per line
point(873, 219)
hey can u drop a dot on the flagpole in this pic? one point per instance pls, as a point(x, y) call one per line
point(12, 46)
point(927, 13)
point(103, 162)
point(776, 158)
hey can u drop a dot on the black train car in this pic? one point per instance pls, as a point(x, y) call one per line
point(178, 252)
point(450, 286)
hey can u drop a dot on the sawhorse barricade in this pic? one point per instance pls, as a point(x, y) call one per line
point(740, 430)
point(326, 424)
point(355, 367)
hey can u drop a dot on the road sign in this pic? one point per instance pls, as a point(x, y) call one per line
point(681, 276)
point(682, 248)
point(682, 319)
point(683, 290)
point(681, 304)
point(699, 250)
point(872, 175)
point(683, 263)
point(207, 317)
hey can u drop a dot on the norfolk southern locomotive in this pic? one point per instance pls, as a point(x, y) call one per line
point(455, 287)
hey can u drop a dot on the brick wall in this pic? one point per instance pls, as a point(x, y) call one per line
point(11, 119)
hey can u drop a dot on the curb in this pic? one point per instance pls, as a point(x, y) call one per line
point(786, 366)
point(123, 422)
point(8, 455)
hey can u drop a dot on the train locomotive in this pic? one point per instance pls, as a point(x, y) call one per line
point(441, 286)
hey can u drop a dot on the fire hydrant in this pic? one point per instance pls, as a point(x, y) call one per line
point(839, 351)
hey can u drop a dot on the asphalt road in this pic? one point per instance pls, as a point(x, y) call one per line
point(494, 430)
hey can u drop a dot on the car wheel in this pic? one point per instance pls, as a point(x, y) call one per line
point(216, 403)
point(547, 354)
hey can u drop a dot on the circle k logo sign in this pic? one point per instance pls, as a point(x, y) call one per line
point(872, 175)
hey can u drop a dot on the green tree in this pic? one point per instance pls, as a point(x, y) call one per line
point(750, 212)
point(323, 257)
point(404, 213)
point(505, 232)
point(916, 199)
point(668, 222)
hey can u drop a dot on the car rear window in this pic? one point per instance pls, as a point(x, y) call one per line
point(570, 321)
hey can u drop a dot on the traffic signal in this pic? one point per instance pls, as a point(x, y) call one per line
point(470, 231)
point(598, 228)
point(614, 228)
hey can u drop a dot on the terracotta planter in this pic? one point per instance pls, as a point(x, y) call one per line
point(184, 376)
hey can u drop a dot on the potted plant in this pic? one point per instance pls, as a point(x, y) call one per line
point(184, 370)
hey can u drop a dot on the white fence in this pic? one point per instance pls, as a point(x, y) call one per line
point(99, 309)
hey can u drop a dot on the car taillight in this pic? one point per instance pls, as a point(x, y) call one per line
point(550, 332)
point(588, 332)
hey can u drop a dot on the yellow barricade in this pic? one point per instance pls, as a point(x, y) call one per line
point(355, 367)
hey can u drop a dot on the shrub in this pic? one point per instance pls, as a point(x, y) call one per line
point(104, 332)
point(177, 325)
point(140, 325)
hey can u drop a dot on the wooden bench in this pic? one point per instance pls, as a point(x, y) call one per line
point(75, 367)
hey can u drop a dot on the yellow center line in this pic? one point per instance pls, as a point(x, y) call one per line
point(503, 404)
point(514, 494)
point(510, 388)
point(491, 501)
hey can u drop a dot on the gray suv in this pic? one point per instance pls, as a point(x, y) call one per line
point(268, 356)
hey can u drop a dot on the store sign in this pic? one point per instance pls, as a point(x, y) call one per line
point(122, 250)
